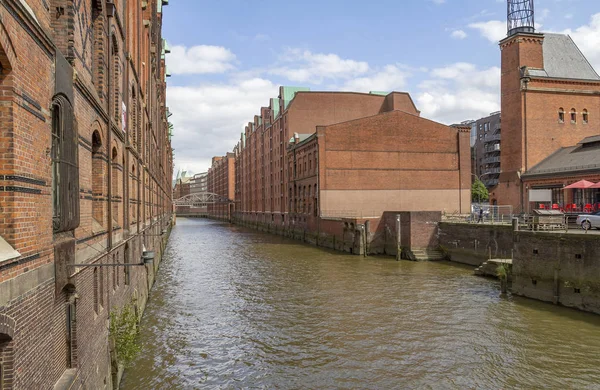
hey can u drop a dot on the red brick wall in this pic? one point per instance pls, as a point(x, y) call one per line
point(375, 164)
point(530, 127)
point(140, 178)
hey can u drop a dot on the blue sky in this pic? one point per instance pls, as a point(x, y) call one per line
point(228, 57)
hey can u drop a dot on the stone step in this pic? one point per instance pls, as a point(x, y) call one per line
point(428, 254)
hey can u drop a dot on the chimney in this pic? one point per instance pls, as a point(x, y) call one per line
point(296, 138)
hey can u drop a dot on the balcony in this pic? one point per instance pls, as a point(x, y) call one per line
point(491, 160)
point(492, 148)
point(492, 138)
point(491, 171)
point(490, 182)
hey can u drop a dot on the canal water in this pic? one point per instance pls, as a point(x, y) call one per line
point(233, 308)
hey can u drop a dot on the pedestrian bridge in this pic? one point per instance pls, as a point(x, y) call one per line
point(201, 199)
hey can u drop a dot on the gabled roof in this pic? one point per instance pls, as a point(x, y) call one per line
point(563, 60)
point(583, 157)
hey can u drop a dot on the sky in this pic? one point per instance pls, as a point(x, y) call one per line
point(228, 57)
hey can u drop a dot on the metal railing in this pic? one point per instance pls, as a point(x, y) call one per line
point(491, 160)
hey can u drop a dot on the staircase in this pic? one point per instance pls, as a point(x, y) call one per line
point(427, 255)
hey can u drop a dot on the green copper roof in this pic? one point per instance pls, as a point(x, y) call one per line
point(382, 93)
point(275, 107)
point(288, 93)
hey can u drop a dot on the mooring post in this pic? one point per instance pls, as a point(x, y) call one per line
point(398, 238)
point(367, 229)
point(556, 287)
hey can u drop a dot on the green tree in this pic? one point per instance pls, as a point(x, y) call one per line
point(478, 192)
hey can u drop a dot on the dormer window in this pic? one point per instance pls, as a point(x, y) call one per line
point(573, 116)
point(561, 115)
point(585, 116)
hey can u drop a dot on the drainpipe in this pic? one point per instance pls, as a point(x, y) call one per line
point(109, 14)
point(525, 81)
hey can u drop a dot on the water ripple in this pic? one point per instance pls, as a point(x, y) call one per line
point(232, 308)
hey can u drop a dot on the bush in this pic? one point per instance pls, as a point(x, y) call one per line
point(125, 332)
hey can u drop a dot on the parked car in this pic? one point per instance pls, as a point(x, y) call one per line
point(589, 221)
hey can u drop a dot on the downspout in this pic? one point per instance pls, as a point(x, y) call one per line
point(525, 81)
point(109, 15)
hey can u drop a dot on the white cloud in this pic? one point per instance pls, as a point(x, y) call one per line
point(492, 30)
point(209, 118)
point(200, 59)
point(458, 34)
point(587, 38)
point(307, 67)
point(459, 92)
point(389, 78)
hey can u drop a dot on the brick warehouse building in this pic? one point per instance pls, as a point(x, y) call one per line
point(85, 173)
point(221, 181)
point(550, 99)
point(313, 159)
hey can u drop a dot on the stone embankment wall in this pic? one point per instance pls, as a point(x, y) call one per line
point(563, 268)
point(375, 236)
point(560, 268)
point(473, 244)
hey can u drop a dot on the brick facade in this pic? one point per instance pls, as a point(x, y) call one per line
point(531, 104)
point(221, 181)
point(319, 165)
point(88, 75)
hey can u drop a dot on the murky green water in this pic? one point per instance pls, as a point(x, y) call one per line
point(233, 308)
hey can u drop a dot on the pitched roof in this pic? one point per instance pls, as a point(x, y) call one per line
point(585, 156)
point(563, 59)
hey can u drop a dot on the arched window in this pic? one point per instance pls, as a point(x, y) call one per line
point(133, 196)
point(561, 115)
point(585, 116)
point(97, 178)
point(133, 128)
point(96, 287)
point(115, 184)
point(127, 260)
point(98, 65)
point(116, 82)
point(65, 168)
point(573, 116)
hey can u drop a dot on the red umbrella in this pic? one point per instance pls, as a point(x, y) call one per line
point(597, 185)
point(581, 184)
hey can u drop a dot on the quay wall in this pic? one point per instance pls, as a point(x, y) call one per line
point(473, 244)
point(563, 268)
point(558, 267)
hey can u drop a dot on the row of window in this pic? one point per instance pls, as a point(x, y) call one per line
point(573, 115)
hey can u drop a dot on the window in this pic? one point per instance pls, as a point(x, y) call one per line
point(71, 334)
point(585, 116)
point(98, 47)
point(561, 115)
point(65, 168)
point(115, 185)
point(96, 286)
point(573, 116)
point(97, 178)
point(116, 82)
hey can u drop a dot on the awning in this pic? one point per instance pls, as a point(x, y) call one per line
point(597, 185)
point(581, 184)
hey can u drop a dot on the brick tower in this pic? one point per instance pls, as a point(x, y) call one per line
point(549, 100)
point(521, 48)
